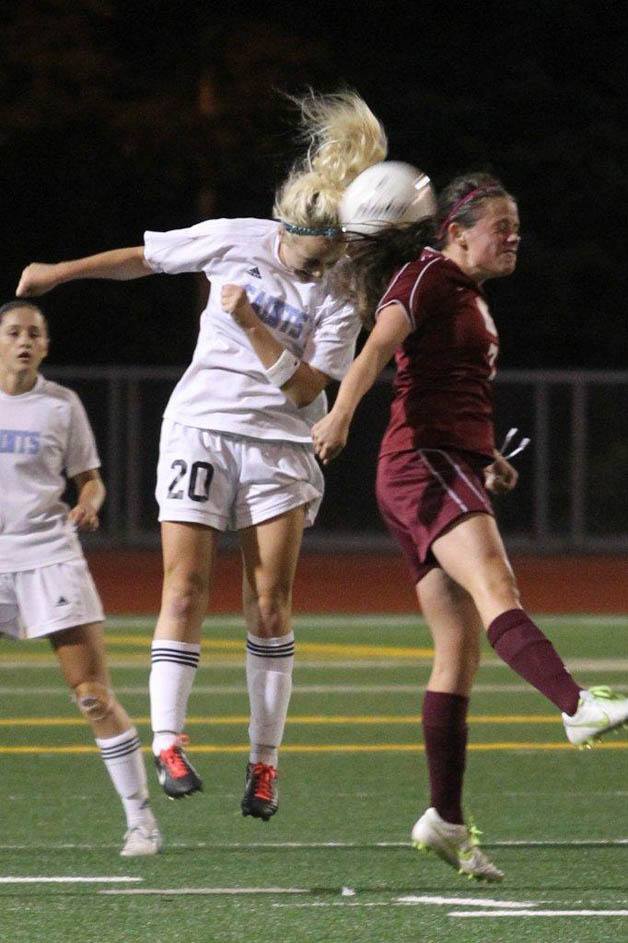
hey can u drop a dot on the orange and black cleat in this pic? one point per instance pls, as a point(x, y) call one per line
point(177, 777)
point(260, 792)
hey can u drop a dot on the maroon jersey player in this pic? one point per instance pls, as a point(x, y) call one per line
point(442, 399)
point(440, 434)
point(436, 467)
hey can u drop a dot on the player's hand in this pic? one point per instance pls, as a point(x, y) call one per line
point(83, 517)
point(37, 278)
point(235, 302)
point(500, 476)
point(329, 436)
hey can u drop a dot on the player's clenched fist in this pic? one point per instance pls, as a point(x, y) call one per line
point(234, 300)
point(329, 436)
point(500, 476)
point(84, 517)
point(37, 278)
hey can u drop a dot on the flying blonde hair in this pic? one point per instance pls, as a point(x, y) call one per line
point(344, 138)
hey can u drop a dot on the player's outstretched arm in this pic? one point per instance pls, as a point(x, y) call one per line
point(120, 264)
point(330, 433)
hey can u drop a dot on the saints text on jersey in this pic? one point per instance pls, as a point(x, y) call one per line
point(19, 441)
point(277, 313)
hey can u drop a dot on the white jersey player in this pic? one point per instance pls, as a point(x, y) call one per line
point(235, 449)
point(45, 586)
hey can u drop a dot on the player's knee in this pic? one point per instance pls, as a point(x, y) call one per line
point(455, 669)
point(471, 664)
point(185, 593)
point(270, 614)
point(94, 700)
point(498, 582)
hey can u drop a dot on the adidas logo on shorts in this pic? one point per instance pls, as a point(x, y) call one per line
point(62, 601)
point(254, 271)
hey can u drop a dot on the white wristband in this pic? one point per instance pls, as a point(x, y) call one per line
point(283, 368)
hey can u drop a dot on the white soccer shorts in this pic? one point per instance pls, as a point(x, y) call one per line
point(230, 482)
point(34, 603)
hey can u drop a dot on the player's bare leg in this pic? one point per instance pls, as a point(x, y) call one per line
point(456, 630)
point(81, 655)
point(188, 556)
point(270, 553)
point(473, 554)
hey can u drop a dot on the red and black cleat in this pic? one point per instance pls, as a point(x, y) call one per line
point(260, 792)
point(177, 777)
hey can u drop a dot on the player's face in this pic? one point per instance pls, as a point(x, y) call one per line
point(309, 257)
point(23, 340)
point(491, 244)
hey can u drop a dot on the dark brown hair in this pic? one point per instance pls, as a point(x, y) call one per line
point(460, 201)
point(18, 303)
point(363, 276)
point(373, 260)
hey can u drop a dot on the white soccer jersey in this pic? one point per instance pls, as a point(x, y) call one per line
point(43, 433)
point(225, 388)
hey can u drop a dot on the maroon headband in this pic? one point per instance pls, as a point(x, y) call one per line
point(487, 190)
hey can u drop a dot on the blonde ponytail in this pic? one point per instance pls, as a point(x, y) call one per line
point(344, 138)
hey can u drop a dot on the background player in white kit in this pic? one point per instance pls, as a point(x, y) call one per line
point(45, 586)
point(236, 449)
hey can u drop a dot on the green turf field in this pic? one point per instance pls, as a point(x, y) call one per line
point(335, 863)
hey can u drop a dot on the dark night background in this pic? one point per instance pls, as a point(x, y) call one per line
point(116, 117)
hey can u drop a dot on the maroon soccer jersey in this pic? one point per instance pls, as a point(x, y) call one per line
point(443, 391)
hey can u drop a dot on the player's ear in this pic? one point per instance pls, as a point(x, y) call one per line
point(461, 237)
point(457, 235)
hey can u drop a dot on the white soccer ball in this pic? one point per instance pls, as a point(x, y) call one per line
point(384, 194)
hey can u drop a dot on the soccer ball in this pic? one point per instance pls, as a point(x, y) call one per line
point(384, 194)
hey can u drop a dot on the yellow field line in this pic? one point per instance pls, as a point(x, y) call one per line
point(304, 719)
point(309, 648)
point(324, 748)
point(232, 649)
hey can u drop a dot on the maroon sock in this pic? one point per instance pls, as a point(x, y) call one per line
point(522, 645)
point(445, 737)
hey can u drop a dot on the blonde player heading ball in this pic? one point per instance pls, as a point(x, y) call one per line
point(45, 586)
point(236, 450)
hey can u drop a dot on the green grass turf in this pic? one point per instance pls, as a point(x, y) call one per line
point(346, 808)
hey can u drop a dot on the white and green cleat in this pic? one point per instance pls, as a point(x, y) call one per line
point(600, 710)
point(141, 841)
point(456, 844)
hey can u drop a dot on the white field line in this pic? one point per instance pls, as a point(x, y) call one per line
point(235, 663)
point(312, 905)
point(510, 908)
point(228, 689)
point(339, 845)
point(236, 891)
point(526, 913)
point(538, 794)
point(68, 880)
point(435, 899)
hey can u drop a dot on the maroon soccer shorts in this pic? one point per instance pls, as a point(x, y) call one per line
point(421, 492)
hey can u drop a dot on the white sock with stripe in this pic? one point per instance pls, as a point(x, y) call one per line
point(269, 664)
point(173, 668)
point(122, 755)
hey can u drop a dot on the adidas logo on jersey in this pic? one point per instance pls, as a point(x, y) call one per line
point(254, 271)
point(62, 601)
